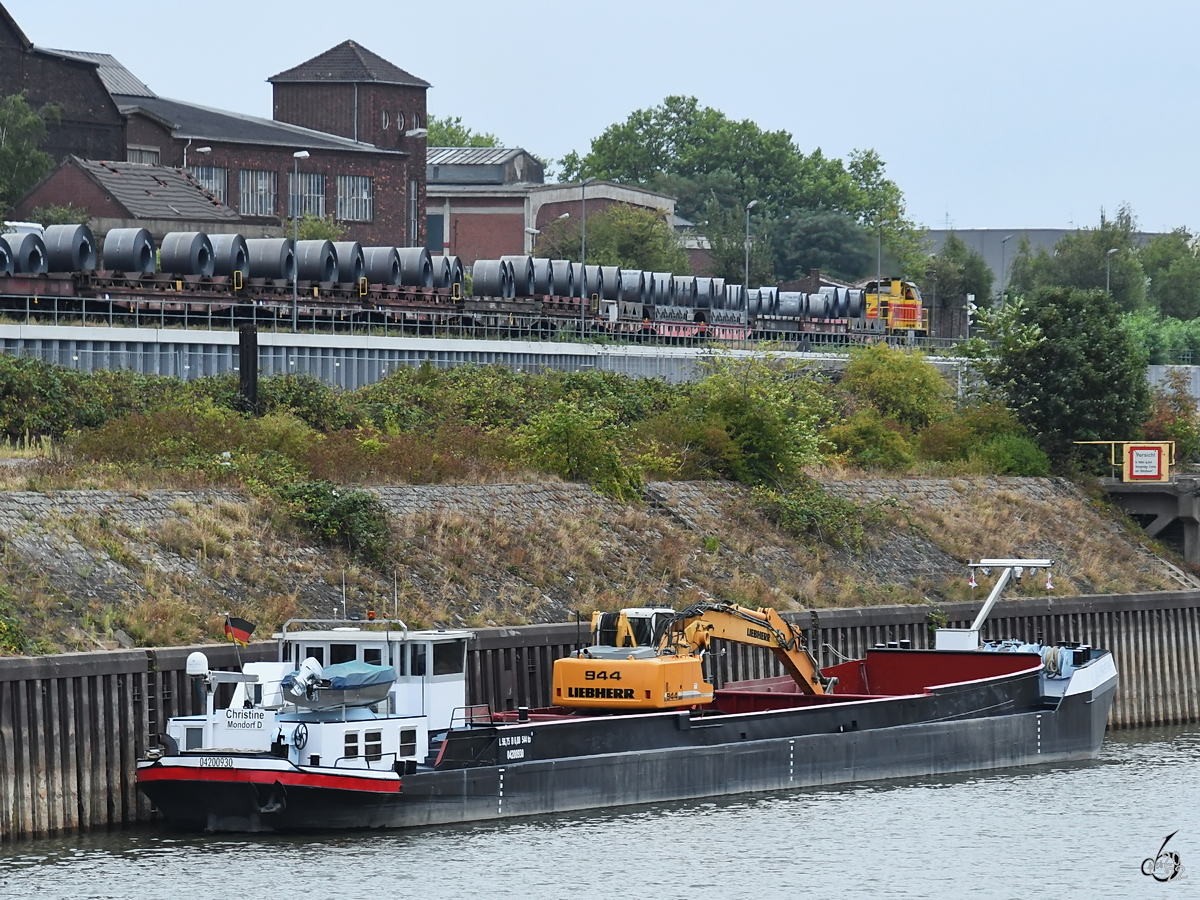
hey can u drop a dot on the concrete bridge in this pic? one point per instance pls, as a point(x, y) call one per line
point(1169, 510)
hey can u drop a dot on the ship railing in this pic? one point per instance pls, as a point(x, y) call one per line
point(466, 716)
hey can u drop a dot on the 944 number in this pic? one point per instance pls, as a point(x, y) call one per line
point(600, 675)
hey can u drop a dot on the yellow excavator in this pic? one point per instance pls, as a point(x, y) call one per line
point(643, 659)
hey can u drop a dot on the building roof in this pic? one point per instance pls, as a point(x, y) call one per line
point(348, 62)
point(117, 78)
point(155, 192)
point(189, 120)
point(469, 156)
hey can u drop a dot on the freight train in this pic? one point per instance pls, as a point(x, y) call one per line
point(226, 274)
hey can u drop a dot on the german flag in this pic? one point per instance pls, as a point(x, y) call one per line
point(238, 630)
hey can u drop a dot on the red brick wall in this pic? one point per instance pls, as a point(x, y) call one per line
point(90, 124)
point(551, 211)
point(330, 108)
point(487, 236)
point(70, 185)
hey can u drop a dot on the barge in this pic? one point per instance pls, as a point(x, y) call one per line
point(367, 726)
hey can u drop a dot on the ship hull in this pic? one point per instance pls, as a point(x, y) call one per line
point(695, 766)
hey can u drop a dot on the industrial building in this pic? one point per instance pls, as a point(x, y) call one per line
point(359, 117)
point(487, 202)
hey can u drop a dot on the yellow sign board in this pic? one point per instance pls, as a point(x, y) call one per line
point(1142, 460)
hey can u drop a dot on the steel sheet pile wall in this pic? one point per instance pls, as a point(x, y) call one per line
point(73, 726)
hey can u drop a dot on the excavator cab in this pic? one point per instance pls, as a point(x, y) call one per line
point(637, 626)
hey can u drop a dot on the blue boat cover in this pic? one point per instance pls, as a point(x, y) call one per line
point(350, 676)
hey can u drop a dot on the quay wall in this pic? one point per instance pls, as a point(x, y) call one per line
point(73, 726)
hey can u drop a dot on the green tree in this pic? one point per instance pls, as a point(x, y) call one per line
point(1081, 260)
point(830, 241)
point(902, 387)
point(60, 215)
point(22, 130)
point(1173, 269)
point(701, 155)
point(1173, 415)
point(449, 131)
point(1068, 366)
point(316, 228)
point(631, 237)
point(950, 275)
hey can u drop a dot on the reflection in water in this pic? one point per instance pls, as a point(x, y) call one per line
point(1075, 830)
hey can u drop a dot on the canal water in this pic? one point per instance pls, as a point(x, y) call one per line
point(1070, 831)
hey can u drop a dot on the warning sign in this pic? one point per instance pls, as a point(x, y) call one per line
point(1145, 463)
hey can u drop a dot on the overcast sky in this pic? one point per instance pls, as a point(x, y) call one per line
point(1015, 114)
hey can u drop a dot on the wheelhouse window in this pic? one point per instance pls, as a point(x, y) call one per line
point(449, 658)
point(373, 656)
point(418, 660)
point(354, 198)
point(351, 745)
point(312, 194)
point(257, 192)
point(212, 178)
point(317, 653)
point(340, 653)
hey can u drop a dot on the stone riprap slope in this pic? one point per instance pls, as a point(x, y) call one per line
point(82, 568)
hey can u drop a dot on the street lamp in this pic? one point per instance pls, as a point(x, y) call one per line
point(297, 156)
point(749, 206)
point(1002, 243)
point(531, 233)
point(1108, 271)
point(583, 253)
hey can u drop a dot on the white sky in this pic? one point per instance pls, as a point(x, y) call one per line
point(1015, 114)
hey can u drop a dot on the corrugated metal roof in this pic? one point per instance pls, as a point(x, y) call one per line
point(156, 192)
point(469, 156)
point(117, 78)
point(188, 120)
point(349, 62)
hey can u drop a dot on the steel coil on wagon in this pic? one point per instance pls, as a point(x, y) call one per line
point(6, 260)
point(735, 297)
point(522, 274)
point(381, 265)
point(351, 264)
point(768, 298)
point(791, 304)
point(564, 277)
point(660, 288)
point(705, 292)
point(186, 253)
point(416, 267)
point(70, 248)
point(316, 261)
point(230, 254)
point(129, 250)
point(633, 286)
point(683, 290)
point(543, 277)
point(718, 293)
point(752, 297)
point(272, 258)
point(492, 278)
point(856, 306)
point(593, 282)
point(610, 277)
point(456, 273)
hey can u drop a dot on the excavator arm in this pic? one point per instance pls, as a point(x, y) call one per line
point(691, 629)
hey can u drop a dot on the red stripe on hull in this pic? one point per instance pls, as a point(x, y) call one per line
point(268, 776)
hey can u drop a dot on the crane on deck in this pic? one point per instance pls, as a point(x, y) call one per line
point(663, 668)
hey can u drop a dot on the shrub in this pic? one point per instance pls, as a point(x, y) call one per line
point(353, 519)
point(308, 398)
point(1013, 454)
point(579, 444)
point(866, 441)
point(947, 440)
point(807, 510)
point(901, 386)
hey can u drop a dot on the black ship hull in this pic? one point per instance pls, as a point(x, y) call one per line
point(538, 768)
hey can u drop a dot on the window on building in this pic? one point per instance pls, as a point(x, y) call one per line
point(312, 194)
point(387, 120)
point(354, 199)
point(351, 751)
point(412, 211)
point(416, 121)
point(257, 191)
point(373, 656)
point(408, 742)
point(435, 232)
point(448, 658)
point(373, 745)
point(399, 121)
point(136, 154)
point(212, 178)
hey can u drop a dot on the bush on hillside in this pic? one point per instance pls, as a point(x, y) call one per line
point(867, 441)
point(901, 386)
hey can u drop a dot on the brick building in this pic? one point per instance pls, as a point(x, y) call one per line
point(89, 122)
point(136, 195)
point(485, 202)
point(360, 118)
